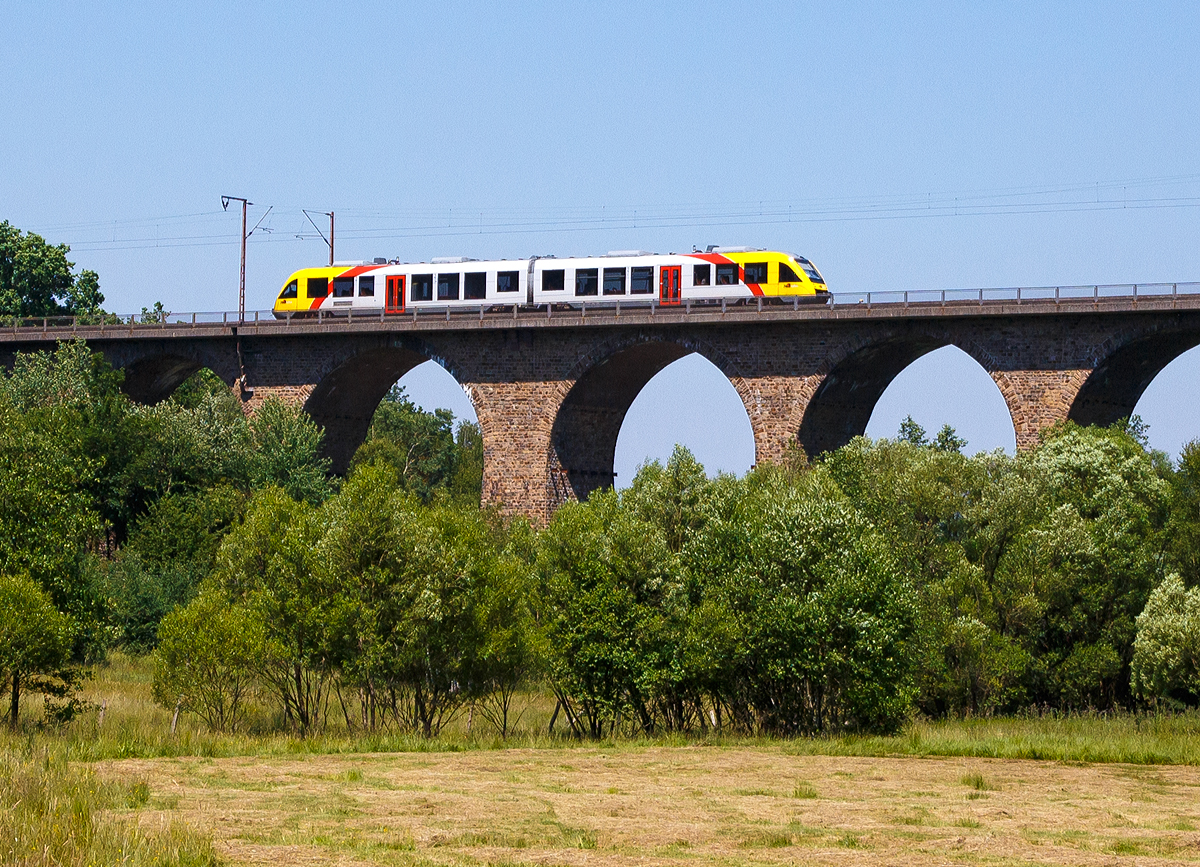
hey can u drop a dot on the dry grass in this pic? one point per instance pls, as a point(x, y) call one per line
point(54, 813)
point(674, 805)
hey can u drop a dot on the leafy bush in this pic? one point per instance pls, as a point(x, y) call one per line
point(209, 657)
point(1166, 653)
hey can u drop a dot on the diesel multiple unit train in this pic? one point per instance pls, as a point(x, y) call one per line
point(729, 274)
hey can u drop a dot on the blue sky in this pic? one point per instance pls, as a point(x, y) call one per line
point(487, 129)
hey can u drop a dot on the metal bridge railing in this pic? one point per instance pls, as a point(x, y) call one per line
point(161, 319)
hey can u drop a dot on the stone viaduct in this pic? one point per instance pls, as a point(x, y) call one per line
point(551, 388)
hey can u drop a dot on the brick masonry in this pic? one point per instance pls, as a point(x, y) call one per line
point(551, 400)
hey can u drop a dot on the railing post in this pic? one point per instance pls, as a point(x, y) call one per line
point(515, 306)
point(193, 320)
point(1095, 295)
point(224, 318)
point(980, 297)
point(1056, 295)
point(943, 297)
point(905, 299)
point(1018, 296)
point(255, 317)
point(722, 306)
point(760, 304)
point(618, 313)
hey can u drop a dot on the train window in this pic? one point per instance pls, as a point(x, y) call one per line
point(318, 287)
point(422, 288)
point(343, 287)
point(642, 282)
point(289, 291)
point(552, 281)
point(786, 274)
point(447, 287)
point(508, 281)
point(727, 275)
point(614, 281)
point(475, 285)
point(756, 272)
point(701, 274)
point(813, 274)
point(366, 286)
point(586, 280)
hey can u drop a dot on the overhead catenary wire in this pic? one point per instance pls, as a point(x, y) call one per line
point(403, 223)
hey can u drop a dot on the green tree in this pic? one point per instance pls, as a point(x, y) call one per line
point(912, 433)
point(609, 602)
point(171, 550)
point(417, 582)
point(46, 515)
point(1166, 655)
point(1183, 529)
point(809, 620)
point(35, 639)
point(287, 452)
point(37, 280)
point(266, 564)
point(949, 441)
point(424, 449)
point(208, 659)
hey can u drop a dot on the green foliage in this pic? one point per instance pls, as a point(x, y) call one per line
point(265, 564)
point(170, 551)
point(423, 449)
point(811, 620)
point(286, 452)
point(195, 388)
point(35, 640)
point(46, 514)
point(418, 584)
point(209, 656)
point(37, 280)
point(1166, 657)
point(1183, 528)
point(608, 581)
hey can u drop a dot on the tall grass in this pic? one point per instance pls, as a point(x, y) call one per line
point(134, 727)
point(56, 813)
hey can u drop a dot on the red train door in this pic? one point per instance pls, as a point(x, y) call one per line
point(395, 294)
point(669, 284)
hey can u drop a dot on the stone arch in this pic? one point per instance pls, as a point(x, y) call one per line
point(151, 378)
point(344, 399)
point(1123, 367)
point(595, 399)
point(855, 376)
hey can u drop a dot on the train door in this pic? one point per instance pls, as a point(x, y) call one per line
point(669, 284)
point(395, 294)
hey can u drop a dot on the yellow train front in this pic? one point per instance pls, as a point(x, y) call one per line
point(716, 275)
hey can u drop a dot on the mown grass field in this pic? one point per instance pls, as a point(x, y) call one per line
point(1084, 790)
